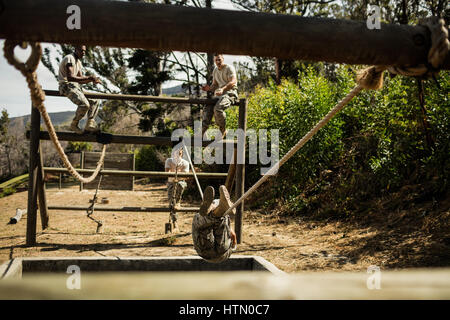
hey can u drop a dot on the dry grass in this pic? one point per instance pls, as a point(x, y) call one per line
point(293, 244)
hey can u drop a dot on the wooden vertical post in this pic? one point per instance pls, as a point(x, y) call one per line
point(134, 168)
point(240, 168)
point(82, 167)
point(33, 172)
point(43, 209)
point(60, 180)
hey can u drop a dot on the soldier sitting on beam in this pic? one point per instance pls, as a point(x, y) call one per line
point(213, 238)
point(70, 77)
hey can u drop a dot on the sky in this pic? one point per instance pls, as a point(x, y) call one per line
point(14, 93)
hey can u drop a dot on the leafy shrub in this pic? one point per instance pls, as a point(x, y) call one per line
point(377, 143)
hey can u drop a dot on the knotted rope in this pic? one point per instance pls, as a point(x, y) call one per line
point(371, 79)
point(436, 55)
point(28, 69)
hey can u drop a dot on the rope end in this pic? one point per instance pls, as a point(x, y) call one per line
point(370, 78)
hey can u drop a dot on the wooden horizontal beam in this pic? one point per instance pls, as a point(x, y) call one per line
point(107, 138)
point(131, 97)
point(124, 209)
point(165, 27)
point(150, 174)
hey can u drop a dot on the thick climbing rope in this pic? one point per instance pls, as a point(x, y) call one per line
point(371, 78)
point(193, 170)
point(28, 69)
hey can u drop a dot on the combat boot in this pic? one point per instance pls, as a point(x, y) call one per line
point(74, 127)
point(91, 126)
point(208, 198)
point(224, 203)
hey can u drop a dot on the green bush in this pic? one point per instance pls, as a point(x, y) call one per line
point(377, 142)
point(147, 159)
point(7, 191)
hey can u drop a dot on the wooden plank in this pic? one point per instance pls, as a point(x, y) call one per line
point(123, 139)
point(131, 97)
point(407, 284)
point(240, 169)
point(108, 23)
point(154, 174)
point(125, 209)
point(33, 178)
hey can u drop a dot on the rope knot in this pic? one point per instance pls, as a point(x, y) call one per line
point(371, 78)
point(440, 46)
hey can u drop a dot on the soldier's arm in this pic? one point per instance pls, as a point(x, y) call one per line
point(211, 87)
point(230, 85)
point(72, 77)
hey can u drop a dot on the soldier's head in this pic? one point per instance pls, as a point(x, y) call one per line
point(177, 153)
point(80, 51)
point(218, 60)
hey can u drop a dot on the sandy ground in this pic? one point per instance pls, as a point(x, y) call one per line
point(293, 245)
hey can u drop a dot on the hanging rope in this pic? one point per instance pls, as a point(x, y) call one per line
point(90, 210)
point(193, 170)
point(28, 69)
point(371, 79)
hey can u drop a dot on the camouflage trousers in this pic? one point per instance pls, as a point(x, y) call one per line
point(218, 110)
point(174, 192)
point(211, 237)
point(72, 90)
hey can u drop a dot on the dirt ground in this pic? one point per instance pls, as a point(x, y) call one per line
point(291, 244)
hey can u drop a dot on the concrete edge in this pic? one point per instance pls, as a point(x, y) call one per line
point(266, 265)
point(11, 269)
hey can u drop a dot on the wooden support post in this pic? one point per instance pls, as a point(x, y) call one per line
point(134, 169)
point(43, 209)
point(231, 172)
point(82, 167)
point(240, 168)
point(60, 181)
point(33, 171)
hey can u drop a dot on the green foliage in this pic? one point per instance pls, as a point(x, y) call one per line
point(78, 147)
point(376, 144)
point(7, 191)
point(147, 159)
point(4, 123)
point(293, 112)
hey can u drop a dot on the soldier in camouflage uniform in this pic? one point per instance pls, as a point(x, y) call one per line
point(175, 187)
point(224, 88)
point(213, 237)
point(70, 78)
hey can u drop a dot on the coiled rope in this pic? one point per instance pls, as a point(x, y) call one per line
point(28, 69)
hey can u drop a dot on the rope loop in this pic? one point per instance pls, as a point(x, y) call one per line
point(28, 69)
point(28, 66)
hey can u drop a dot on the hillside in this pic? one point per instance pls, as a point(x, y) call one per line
point(58, 118)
